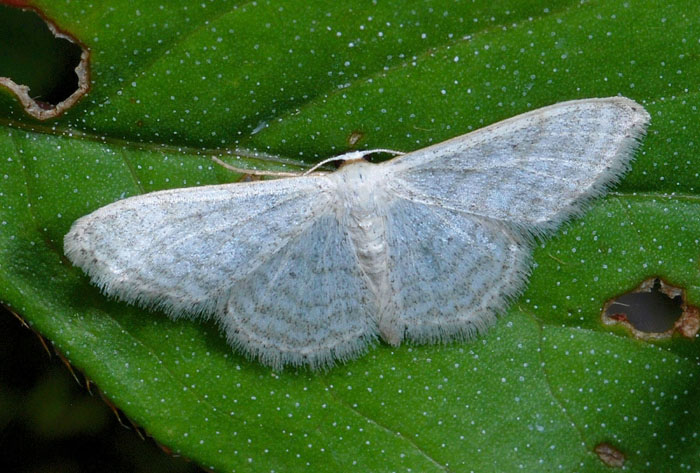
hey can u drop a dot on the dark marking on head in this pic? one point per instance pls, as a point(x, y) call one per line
point(248, 178)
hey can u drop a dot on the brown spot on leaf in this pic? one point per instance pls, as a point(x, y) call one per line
point(652, 311)
point(610, 455)
point(41, 109)
point(355, 138)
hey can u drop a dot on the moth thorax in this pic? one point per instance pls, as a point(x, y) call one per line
point(364, 201)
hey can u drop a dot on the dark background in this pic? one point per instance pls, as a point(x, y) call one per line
point(50, 423)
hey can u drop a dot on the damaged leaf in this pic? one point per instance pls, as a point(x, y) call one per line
point(280, 85)
point(33, 55)
point(654, 310)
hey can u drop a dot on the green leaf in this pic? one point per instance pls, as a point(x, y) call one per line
point(303, 80)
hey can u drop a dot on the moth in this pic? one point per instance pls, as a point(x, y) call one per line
point(429, 246)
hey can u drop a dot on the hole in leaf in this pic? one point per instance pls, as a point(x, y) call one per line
point(44, 67)
point(610, 455)
point(653, 310)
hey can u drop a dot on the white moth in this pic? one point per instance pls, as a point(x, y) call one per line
point(428, 246)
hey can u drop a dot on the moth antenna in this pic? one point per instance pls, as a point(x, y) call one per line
point(255, 172)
